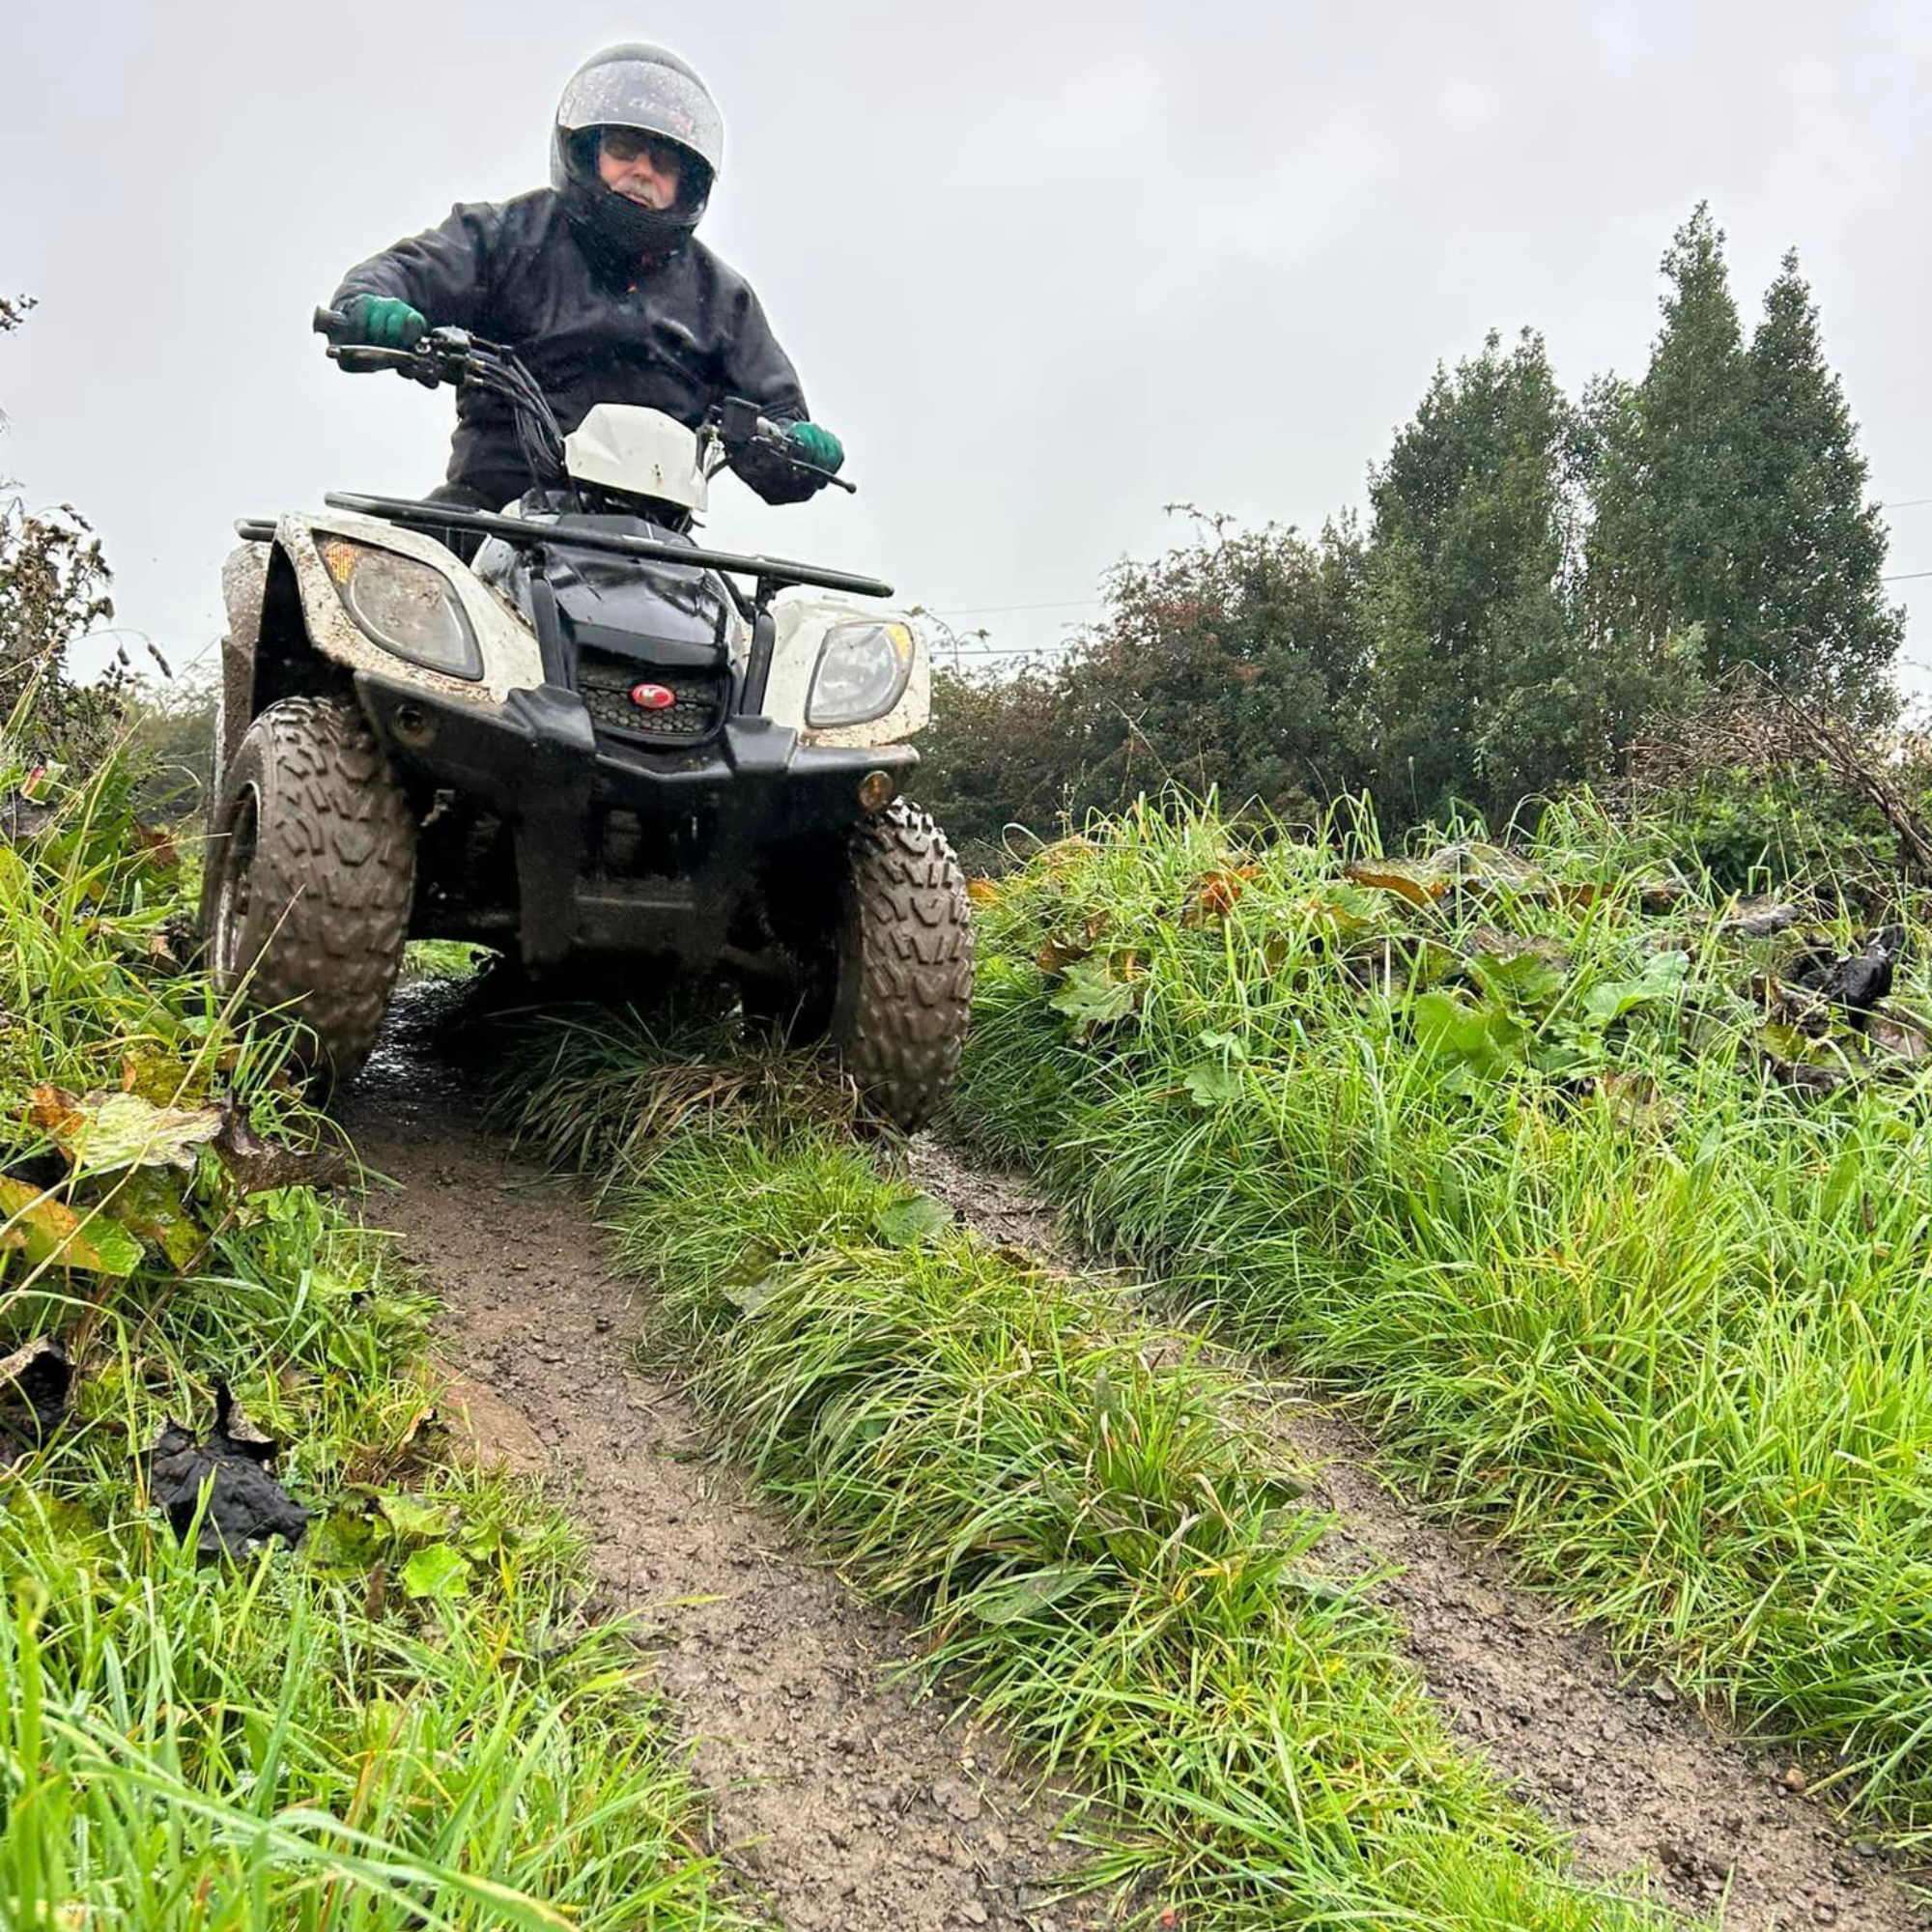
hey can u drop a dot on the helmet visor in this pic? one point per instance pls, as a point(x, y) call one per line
point(649, 97)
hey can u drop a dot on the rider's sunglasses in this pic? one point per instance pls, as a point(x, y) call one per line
point(628, 144)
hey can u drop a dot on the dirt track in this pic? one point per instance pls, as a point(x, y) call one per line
point(840, 1799)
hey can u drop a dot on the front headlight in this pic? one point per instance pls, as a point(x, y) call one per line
point(406, 607)
point(861, 673)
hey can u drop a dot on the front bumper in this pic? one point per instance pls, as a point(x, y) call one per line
point(536, 761)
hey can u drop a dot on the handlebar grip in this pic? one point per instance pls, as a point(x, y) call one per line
point(329, 322)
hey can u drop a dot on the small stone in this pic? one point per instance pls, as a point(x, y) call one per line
point(957, 1800)
point(1867, 1848)
point(973, 1912)
point(1794, 1779)
point(1664, 1692)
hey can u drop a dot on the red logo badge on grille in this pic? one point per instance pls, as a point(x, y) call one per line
point(652, 697)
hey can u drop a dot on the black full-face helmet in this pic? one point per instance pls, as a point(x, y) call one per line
point(650, 89)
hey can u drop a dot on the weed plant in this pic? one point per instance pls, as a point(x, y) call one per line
point(407, 1722)
point(1107, 1561)
point(1621, 1243)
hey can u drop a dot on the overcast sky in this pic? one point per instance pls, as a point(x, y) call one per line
point(1045, 267)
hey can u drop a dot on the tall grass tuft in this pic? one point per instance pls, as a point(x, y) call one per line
point(1621, 1246)
point(407, 1722)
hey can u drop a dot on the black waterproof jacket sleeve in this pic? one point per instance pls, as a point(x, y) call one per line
point(677, 335)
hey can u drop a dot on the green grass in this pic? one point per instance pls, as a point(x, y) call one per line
point(407, 1722)
point(1105, 1558)
point(1599, 1278)
point(443, 959)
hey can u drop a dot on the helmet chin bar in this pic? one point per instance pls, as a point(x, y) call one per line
point(627, 228)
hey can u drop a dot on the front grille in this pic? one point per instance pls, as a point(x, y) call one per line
point(604, 682)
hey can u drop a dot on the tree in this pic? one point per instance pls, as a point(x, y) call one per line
point(1235, 661)
point(1474, 513)
point(1664, 548)
point(1728, 495)
point(1810, 581)
point(53, 589)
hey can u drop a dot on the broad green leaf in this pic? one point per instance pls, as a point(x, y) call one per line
point(413, 1515)
point(1230, 1043)
point(344, 1544)
point(1531, 975)
point(149, 1205)
point(911, 1220)
point(1094, 996)
point(1661, 978)
point(1484, 1038)
point(438, 1570)
point(1211, 1085)
point(749, 1297)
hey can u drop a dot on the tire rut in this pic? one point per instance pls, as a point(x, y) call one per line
point(839, 1797)
point(1642, 1780)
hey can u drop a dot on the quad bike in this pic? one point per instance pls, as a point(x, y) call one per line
point(595, 743)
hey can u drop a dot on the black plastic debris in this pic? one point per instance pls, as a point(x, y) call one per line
point(246, 1504)
point(34, 1385)
point(23, 818)
point(1856, 980)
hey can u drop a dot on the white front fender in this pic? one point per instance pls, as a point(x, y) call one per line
point(803, 618)
point(511, 660)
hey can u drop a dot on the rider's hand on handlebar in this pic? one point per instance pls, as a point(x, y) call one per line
point(380, 322)
point(815, 445)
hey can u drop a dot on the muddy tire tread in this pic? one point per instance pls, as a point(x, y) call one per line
point(333, 877)
point(906, 988)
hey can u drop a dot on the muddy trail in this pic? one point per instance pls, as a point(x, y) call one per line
point(1641, 1781)
point(838, 1796)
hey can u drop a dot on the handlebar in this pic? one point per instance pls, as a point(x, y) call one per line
point(454, 355)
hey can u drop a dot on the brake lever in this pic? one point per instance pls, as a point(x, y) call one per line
point(812, 469)
point(363, 360)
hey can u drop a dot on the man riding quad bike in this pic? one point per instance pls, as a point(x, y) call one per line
point(530, 710)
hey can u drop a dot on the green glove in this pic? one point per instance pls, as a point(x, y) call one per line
point(817, 446)
point(381, 321)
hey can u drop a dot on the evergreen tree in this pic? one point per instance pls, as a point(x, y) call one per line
point(1468, 552)
point(1810, 586)
point(1728, 494)
point(1665, 549)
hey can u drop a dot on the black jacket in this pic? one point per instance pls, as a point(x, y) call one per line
point(677, 334)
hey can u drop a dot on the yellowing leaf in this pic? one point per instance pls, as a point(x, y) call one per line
point(1419, 885)
point(983, 892)
point(1214, 895)
point(50, 1230)
point(110, 1128)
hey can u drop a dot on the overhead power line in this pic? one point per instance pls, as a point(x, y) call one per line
point(1003, 610)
